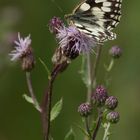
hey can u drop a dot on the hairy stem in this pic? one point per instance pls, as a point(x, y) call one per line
point(106, 133)
point(95, 66)
point(91, 75)
point(30, 88)
point(89, 80)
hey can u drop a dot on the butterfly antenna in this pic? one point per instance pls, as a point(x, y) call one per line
point(60, 9)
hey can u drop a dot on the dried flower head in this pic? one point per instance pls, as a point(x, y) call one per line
point(84, 109)
point(111, 102)
point(28, 63)
point(113, 117)
point(115, 52)
point(100, 95)
point(23, 51)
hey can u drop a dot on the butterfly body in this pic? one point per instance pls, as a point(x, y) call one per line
point(97, 18)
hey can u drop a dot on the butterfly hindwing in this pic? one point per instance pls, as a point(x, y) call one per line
point(97, 18)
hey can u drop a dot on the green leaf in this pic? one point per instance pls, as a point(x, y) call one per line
point(56, 109)
point(28, 99)
point(46, 68)
point(70, 135)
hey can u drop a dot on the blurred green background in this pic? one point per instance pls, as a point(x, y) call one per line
point(18, 119)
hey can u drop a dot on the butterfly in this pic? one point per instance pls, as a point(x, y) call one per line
point(97, 18)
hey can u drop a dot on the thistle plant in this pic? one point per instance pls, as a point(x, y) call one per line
point(98, 109)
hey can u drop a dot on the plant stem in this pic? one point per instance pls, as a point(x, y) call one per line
point(99, 120)
point(91, 74)
point(95, 66)
point(30, 88)
point(106, 132)
point(89, 80)
point(46, 103)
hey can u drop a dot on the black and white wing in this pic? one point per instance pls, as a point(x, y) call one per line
point(97, 18)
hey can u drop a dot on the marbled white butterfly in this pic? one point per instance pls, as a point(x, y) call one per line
point(97, 18)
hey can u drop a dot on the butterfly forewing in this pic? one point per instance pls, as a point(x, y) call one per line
point(97, 18)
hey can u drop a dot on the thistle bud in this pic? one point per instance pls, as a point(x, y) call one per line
point(99, 96)
point(55, 25)
point(115, 52)
point(84, 109)
point(113, 117)
point(111, 102)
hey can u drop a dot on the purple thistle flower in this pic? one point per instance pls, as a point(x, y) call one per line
point(22, 48)
point(74, 42)
point(23, 51)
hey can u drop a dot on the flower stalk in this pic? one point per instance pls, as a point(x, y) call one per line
point(95, 66)
point(47, 100)
point(106, 133)
point(30, 88)
point(99, 120)
point(91, 83)
point(89, 80)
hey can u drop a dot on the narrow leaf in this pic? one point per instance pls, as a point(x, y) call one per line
point(56, 109)
point(28, 99)
point(70, 135)
point(46, 68)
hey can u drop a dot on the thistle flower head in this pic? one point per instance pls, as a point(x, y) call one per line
point(22, 48)
point(100, 95)
point(74, 42)
point(23, 51)
point(84, 109)
point(115, 52)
